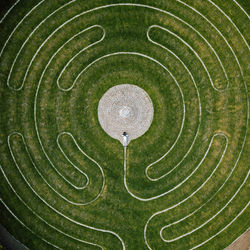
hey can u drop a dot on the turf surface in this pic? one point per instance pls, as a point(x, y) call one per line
point(64, 183)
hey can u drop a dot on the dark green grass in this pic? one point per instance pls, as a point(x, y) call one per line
point(75, 112)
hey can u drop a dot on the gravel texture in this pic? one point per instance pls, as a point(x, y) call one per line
point(242, 243)
point(125, 108)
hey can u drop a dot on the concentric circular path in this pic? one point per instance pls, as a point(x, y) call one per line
point(65, 183)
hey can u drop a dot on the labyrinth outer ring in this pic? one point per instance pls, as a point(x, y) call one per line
point(215, 135)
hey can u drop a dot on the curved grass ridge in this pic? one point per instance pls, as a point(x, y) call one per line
point(65, 183)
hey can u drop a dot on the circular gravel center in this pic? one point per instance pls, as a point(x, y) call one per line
point(126, 112)
point(125, 108)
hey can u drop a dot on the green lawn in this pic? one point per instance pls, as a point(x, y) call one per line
point(63, 183)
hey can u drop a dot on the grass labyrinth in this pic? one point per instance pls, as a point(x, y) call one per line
point(65, 184)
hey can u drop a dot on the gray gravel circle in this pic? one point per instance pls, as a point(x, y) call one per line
point(125, 108)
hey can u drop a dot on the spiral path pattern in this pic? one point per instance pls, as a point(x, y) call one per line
point(66, 184)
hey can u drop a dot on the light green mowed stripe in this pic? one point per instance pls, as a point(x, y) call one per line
point(63, 180)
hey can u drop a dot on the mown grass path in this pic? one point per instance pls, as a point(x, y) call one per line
point(65, 184)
